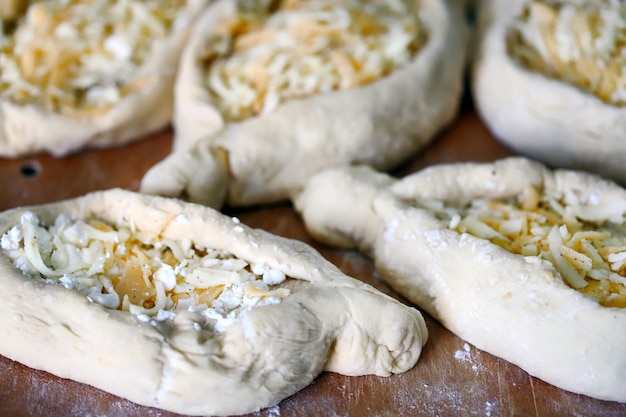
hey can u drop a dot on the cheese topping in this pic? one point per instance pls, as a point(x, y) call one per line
point(582, 43)
point(79, 57)
point(150, 278)
point(266, 54)
point(589, 254)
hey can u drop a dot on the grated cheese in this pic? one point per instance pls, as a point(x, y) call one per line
point(589, 253)
point(582, 43)
point(79, 57)
point(269, 53)
point(150, 279)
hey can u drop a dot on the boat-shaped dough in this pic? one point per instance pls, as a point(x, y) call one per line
point(548, 81)
point(270, 92)
point(176, 306)
point(525, 263)
point(81, 73)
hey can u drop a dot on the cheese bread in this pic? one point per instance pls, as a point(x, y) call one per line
point(270, 92)
point(549, 81)
point(176, 306)
point(521, 261)
point(82, 73)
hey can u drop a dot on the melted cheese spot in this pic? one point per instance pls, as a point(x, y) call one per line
point(266, 54)
point(150, 278)
point(79, 57)
point(583, 44)
point(589, 254)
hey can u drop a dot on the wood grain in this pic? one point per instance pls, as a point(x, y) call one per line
point(452, 378)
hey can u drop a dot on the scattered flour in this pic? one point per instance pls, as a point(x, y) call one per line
point(273, 411)
point(463, 355)
point(489, 407)
point(466, 356)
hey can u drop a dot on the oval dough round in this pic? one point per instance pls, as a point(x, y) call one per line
point(268, 158)
point(28, 129)
point(334, 323)
point(543, 118)
point(515, 307)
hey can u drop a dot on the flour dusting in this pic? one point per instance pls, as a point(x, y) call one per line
point(466, 356)
point(489, 406)
point(273, 411)
point(463, 355)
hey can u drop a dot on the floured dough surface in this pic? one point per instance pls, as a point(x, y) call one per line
point(82, 72)
point(176, 306)
point(519, 260)
point(548, 80)
point(270, 93)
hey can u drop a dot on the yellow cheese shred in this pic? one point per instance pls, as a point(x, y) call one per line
point(79, 57)
point(581, 43)
point(266, 54)
point(590, 256)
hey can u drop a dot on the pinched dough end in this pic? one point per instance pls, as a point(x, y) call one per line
point(199, 175)
point(329, 195)
point(377, 332)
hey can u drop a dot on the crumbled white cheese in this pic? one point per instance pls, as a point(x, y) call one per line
point(150, 278)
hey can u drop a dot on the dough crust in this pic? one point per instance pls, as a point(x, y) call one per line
point(268, 158)
point(334, 323)
point(543, 118)
point(517, 308)
point(27, 129)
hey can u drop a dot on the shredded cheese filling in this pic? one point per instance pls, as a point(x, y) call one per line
point(590, 255)
point(150, 278)
point(79, 57)
point(582, 43)
point(271, 52)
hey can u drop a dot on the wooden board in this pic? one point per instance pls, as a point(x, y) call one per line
point(451, 378)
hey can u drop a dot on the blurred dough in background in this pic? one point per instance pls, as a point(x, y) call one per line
point(269, 93)
point(82, 73)
point(549, 81)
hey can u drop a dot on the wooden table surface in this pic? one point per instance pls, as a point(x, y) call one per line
point(451, 378)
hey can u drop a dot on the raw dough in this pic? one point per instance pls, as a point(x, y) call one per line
point(269, 157)
point(28, 127)
point(512, 306)
point(541, 117)
point(333, 323)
